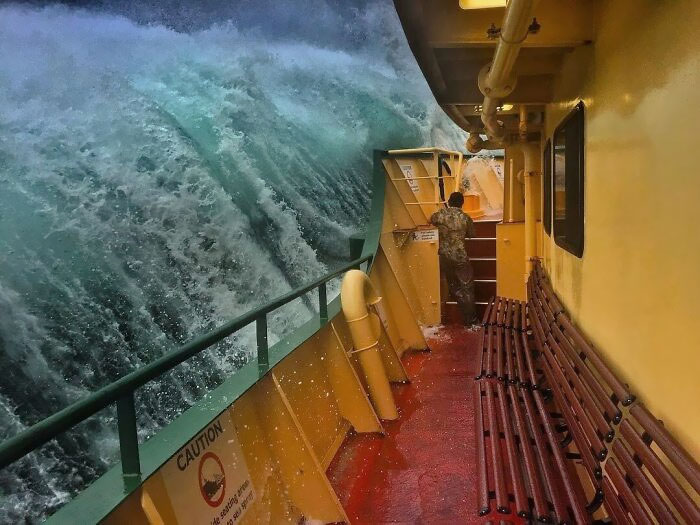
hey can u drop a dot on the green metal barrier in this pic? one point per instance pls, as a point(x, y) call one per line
point(121, 392)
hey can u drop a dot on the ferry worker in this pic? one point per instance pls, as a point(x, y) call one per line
point(454, 227)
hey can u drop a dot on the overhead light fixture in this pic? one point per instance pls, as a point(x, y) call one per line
point(506, 107)
point(481, 4)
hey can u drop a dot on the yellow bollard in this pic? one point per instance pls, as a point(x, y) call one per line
point(356, 295)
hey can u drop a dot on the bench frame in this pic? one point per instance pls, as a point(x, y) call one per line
point(559, 435)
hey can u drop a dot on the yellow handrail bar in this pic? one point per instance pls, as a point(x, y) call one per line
point(460, 159)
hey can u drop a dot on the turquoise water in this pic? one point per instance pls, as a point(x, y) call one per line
point(163, 170)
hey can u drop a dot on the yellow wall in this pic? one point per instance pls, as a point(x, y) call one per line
point(510, 260)
point(636, 291)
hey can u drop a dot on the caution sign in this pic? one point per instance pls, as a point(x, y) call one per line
point(212, 479)
point(425, 236)
point(407, 170)
point(207, 480)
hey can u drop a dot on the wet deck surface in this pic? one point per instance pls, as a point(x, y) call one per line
point(424, 470)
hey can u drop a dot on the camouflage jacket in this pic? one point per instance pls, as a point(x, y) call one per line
point(454, 226)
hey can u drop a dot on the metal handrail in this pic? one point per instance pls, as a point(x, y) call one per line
point(439, 151)
point(122, 390)
point(458, 154)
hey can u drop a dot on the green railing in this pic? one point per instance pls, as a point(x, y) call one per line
point(121, 392)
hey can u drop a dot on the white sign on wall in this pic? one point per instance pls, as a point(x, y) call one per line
point(425, 235)
point(207, 480)
point(407, 170)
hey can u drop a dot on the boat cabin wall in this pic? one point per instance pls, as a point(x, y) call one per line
point(636, 289)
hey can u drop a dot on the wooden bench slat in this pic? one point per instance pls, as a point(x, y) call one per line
point(495, 449)
point(628, 498)
point(573, 493)
point(596, 443)
point(678, 497)
point(487, 312)
point(608, 407)
point(483, 491)
point(534, 480)
point(527, 352)
point(485, 323)
point(520, 360)
point(552, 299)
point(545, 307)
point(657, 504)
point(507, 314)
point(510, 370)
point(584, 448)
point(499, 352)
point(489, 350)
point(482, 346)
point(590, 404)
point(494, 310)
point(521, 504)
point(613, 505)
point(501, 311)
point(680, 458)
point(543, 457)
point(620, 390)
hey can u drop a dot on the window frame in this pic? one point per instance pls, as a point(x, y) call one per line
point(547, 188)
point(564, 239)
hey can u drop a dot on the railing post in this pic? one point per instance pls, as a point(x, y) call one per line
point(261, 332)
point(357, 242)
point(322, 303)
point(128, 442)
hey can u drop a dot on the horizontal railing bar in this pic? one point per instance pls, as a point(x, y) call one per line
point(425, 177)
point(423, 150)
point(47, 429)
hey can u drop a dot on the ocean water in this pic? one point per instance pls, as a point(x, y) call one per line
point(165, 167)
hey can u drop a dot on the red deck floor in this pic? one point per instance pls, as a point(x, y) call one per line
point(424, 470)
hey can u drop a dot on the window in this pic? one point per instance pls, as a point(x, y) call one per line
point(547, 186)
point(568, 182)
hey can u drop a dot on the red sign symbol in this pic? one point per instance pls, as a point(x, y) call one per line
point(212, 479)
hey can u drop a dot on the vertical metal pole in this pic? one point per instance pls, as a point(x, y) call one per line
point(261, 331)
point(434, 182)
point(356, 245)
point(128, 442)
point(322, 303)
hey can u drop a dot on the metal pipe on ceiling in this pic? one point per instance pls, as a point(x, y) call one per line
point(497, 79)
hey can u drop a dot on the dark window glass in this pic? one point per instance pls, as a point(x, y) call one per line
point(568, 182)
point(547, 187)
